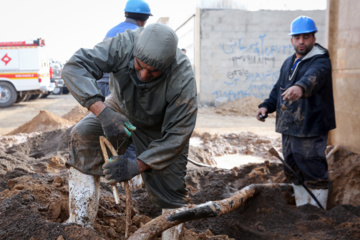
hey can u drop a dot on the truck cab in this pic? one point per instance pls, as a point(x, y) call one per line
point(24, 71)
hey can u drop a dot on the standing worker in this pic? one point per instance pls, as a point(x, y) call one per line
point(137, 13)
point(153, 87)
point(303, 100)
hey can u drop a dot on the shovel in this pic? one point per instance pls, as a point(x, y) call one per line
point(275, 153)
point(103, 142)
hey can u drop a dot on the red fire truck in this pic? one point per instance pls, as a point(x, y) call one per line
point(24, 71)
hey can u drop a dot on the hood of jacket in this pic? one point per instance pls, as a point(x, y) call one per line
point(156, 46)
point(316, 50)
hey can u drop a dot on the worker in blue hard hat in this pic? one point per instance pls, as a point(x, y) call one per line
point(303, 100)
point(137, 13)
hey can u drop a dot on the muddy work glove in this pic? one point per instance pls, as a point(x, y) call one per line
point(115, 125)
point(120, 169)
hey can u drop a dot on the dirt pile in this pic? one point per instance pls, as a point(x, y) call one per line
point(47, 121)
point(241, 107)
point(76, 114)
point(44, 121)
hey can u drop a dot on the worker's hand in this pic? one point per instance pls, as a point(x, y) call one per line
point(293, 93)
point(120, 169)
point(115, 125)
point(261, 114)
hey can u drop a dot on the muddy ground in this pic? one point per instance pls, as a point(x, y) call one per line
point(34, 186)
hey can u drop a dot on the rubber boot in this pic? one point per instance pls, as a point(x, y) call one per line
point(174, 233)
point(302, 196)
point(84, 195)
point(321, 195)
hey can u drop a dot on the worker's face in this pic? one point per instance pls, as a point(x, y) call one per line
point(303, 43)
point(145, 72)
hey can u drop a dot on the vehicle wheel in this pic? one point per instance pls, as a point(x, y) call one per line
point(35, 96)
point(65, 90)
point(45, 95)
point(20, 99)
point(8, 94)
point(57, 91)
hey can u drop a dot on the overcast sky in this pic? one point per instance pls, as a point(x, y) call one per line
point(67, 25)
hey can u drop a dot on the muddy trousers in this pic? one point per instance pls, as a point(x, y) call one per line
point(84, 195)
point(306, 156)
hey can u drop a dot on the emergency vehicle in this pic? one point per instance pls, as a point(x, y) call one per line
point(24, 71)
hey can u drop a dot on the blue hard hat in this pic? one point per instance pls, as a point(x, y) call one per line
point(137, 6)
point(301, 25)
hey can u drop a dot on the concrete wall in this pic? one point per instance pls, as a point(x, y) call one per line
point(344, 47)
point(239, 53)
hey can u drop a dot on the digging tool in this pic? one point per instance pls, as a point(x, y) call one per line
point(103, 142)
point(193, 212)
point(275, 153)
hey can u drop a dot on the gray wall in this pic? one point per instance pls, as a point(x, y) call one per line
point(241, 52)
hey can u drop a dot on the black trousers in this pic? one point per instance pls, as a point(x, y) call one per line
point(306, 156)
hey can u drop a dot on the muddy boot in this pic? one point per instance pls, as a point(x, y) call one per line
point(174, 233)
point(302, 196)
point(84, 194)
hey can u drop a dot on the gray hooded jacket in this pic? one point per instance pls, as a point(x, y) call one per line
point(163, 110)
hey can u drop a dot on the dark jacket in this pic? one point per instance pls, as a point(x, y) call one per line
point(313, 114)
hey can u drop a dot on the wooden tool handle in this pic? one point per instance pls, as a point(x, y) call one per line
point(103, 142)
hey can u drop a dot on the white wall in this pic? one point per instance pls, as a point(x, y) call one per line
point(241, 52)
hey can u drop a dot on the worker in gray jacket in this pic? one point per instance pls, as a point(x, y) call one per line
point(153, 104)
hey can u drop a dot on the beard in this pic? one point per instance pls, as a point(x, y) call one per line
point(304, 51)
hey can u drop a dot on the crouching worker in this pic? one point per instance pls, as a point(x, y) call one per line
point(153, 88)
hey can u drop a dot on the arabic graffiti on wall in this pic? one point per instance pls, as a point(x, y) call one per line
point(252, 68)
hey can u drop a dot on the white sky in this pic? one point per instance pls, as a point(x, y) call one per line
point(67, 25)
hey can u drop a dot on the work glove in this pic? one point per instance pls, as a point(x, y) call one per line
point(120, 169)
point(115, 125)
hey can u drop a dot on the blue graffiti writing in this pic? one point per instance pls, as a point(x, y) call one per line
point(258, 91)
point(273, 76)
